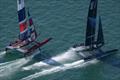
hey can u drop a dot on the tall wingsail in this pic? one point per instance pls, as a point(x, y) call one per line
point(22, 20)
point(100, 37)
point(31, 30)
point(91, 24)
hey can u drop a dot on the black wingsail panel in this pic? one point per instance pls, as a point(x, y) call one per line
point(100, 37)
point(91, 23)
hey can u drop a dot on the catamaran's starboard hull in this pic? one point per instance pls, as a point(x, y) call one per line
point(11, 48)
point(31, 50)
point(21, 51)
point(81, 48)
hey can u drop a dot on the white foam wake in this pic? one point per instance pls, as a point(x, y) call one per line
point(76, 64)
point(68, 60)
point(2, 54)
point(35, 66)
point(12, 66)
point(53, 70)
point(68, 56)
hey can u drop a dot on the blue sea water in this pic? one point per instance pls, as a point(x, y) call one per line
point(65, 21)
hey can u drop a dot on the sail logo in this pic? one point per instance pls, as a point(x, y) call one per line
point(92, 5)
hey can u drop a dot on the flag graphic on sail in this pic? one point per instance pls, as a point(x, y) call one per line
point(22, 20)
point(31, 30)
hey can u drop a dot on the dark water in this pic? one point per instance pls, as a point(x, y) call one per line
point(65, 21)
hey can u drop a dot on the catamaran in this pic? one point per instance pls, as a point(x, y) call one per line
point(93, 42)
point(28, 33)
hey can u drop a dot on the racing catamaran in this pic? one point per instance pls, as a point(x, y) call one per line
point(90, 42)
point(93, 43)
point(28, 34)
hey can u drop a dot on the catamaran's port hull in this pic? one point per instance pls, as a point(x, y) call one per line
point(100, 55)
point(92, 54)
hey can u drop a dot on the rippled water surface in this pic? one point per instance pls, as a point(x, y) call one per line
point(65, 21)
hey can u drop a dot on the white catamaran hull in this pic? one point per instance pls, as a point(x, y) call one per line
point(21, 50)
point(16, 49)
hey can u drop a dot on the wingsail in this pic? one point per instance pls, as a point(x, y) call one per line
point(100, 37)
point(27, 28)
point(22, 20)
point(91, 24)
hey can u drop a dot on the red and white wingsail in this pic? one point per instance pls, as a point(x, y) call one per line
point(26, 33)
point(22, 20)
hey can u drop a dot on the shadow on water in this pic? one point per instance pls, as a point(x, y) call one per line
point(10, 56)
point(113, 60)
point(46, 58)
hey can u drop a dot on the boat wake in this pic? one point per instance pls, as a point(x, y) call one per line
point(65, 57)
point(76, 64)
point(9, 68)
point(2, 53)
point(68, 60)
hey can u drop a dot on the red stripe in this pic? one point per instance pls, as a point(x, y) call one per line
point(23, 26)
